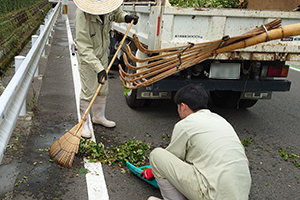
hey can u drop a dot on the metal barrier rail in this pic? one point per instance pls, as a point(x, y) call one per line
point(15, 93)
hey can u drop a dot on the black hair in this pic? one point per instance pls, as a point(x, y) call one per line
point(192, 95)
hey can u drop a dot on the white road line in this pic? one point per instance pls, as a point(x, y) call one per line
point(96, 185)
point(294, 68)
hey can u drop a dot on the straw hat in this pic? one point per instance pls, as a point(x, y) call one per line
point(98, 7)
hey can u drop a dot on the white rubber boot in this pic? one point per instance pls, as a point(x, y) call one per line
point(153, 198)
point(86, 132)
point(168, 191)
point(98, 112)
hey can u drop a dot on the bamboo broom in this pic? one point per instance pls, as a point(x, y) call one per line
point(64, 149)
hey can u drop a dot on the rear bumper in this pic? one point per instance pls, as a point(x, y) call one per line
point(234, 85)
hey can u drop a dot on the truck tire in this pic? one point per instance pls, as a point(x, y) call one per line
point(230, 99)
point(132, 101)
point(247, 103)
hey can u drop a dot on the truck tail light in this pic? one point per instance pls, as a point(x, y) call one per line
point(278, 71)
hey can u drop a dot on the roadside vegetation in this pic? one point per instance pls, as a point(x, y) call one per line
point(13, 5)
point(18, 21)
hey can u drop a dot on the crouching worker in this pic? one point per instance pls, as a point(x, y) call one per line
point(205, 158)
point(93, 21)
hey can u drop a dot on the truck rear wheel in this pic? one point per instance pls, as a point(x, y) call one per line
point(132, 101)
point(247, 103)
point(230, 99)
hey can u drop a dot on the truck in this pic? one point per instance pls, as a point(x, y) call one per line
point(236, 79)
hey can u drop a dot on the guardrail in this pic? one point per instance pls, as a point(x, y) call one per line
point(11, 100)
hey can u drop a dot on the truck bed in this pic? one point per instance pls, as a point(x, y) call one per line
point(169, 26)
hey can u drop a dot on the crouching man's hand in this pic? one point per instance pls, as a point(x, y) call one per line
point(129, 18)
point(147, 174)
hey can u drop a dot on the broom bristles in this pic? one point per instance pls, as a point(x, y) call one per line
point(63, 150)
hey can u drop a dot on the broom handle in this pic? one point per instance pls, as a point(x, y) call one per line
point(107, 70)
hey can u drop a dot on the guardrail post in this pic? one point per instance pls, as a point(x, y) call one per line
point(18, 62)
point(64, 10)
point(42, 27)
point(46, 21)
point(33, 39)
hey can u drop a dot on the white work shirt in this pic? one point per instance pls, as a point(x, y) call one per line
point(209, 143)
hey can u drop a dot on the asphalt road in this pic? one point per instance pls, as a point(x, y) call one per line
point(270, 126)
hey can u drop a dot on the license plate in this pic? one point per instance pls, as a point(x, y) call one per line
point(225, 70)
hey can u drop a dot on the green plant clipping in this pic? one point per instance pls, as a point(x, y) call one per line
point(210, 3)
point(83, 171)
point(133, 151)
point(246, 142)
point(126, 90)
point(294, 158)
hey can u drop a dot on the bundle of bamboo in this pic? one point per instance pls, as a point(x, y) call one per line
point(169, 61)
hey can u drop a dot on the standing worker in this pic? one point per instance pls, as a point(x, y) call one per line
point(93, 21)
point(205, 158)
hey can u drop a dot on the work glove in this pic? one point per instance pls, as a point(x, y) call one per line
point(129, 18)
point(147, 174)
point(101, 75)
